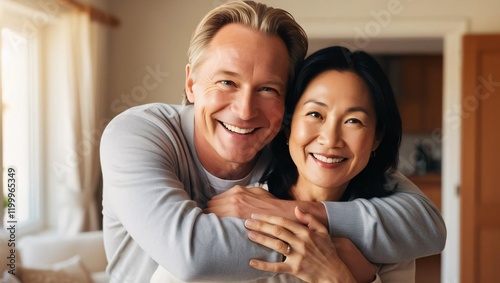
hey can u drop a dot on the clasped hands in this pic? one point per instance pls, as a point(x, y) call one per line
point(313, 255)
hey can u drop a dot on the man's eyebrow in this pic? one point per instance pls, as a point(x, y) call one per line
point(227, 72)
point(277, 82)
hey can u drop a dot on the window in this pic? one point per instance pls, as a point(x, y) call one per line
point(20, 120)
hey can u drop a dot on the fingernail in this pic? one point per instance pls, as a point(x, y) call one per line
point(249, 223)
point(252, 235)
point(301, 209)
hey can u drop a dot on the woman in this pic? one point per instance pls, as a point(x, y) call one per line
point(345, 134)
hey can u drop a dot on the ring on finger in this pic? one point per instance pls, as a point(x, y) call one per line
point(288, 250)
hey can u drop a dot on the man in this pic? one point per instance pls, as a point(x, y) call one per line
point(162, 163)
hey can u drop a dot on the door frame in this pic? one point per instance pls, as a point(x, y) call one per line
point(451, 31)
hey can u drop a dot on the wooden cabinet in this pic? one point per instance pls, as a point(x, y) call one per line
point(430, 185)
point(420, 92)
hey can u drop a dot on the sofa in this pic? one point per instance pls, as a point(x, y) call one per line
point(52, 258)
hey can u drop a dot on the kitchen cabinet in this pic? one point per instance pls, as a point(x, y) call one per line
point(430, 185)
point(419, 92)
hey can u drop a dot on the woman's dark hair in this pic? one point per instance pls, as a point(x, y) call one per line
point(282, 174)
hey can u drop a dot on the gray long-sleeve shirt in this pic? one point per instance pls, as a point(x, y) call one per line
point(155, 187)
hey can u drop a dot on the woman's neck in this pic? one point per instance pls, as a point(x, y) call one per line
point(307, 191)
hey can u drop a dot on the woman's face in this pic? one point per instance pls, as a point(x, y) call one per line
point(332, 134)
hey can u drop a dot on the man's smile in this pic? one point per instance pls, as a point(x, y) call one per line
point(237, 130)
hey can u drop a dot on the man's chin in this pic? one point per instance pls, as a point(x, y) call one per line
point(240, 157)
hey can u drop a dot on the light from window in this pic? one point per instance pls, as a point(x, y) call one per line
point(19, 124)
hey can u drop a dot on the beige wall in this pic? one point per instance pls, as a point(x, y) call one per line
point(155, 34)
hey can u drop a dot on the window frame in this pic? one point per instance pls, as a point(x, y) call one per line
point(12, 16)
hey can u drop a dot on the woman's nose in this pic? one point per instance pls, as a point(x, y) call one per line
point(330, 135)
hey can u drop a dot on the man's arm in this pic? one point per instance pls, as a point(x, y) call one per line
point(147, 200)
point(391, 229)
point(399, 227)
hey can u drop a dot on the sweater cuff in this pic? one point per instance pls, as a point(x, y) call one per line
point(344, 217)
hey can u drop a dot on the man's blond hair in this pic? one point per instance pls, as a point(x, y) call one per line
point(258, 16)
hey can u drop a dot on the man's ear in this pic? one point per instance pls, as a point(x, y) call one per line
point(188, 88)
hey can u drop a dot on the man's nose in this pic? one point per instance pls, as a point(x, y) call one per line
point(244, 104)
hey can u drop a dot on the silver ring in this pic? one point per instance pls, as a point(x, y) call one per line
point(288, 250)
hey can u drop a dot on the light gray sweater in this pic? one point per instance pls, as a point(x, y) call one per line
point(155, 189)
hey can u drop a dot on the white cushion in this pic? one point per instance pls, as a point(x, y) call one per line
point(42, 250)
point(70, 271)
point(100, 277)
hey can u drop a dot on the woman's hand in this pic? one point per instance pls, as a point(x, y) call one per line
point(312, 256)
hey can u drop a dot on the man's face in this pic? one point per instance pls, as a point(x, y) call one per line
point(238, 94)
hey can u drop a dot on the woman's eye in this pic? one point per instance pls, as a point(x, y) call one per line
point(353, 121)
point(314, 114)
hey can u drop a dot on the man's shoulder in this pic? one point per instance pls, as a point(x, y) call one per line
point(153, 113)
point(159, 110)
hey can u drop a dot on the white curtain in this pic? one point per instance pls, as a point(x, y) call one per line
point(83, 53)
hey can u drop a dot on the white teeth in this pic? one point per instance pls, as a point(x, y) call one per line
point(327, 159)
point(237, 130)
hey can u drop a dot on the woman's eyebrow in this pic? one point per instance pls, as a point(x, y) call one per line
point(357, 109)
point(322, 104)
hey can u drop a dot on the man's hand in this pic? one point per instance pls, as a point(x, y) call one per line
point(241, 202)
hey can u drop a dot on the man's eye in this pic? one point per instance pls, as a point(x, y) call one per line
point(227, 83)
point(269, 89)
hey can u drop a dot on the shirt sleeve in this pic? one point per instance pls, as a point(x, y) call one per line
point(391, 229)
point(145, 197)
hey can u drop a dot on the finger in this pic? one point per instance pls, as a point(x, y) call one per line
point(309, 220)
point(279, 267)
point(231, 191)
point(216, 202)
point(279, 221)
point(220, 211)
point(273, 243)
point(277, 231)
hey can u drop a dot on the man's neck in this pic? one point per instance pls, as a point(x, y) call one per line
point(228, 170)
point(221, 168)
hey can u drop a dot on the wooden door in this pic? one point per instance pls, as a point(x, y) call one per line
point(480, 177)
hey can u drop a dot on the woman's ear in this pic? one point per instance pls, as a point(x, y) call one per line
point(286, 131)
point(189, 84)
point(377, 141)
